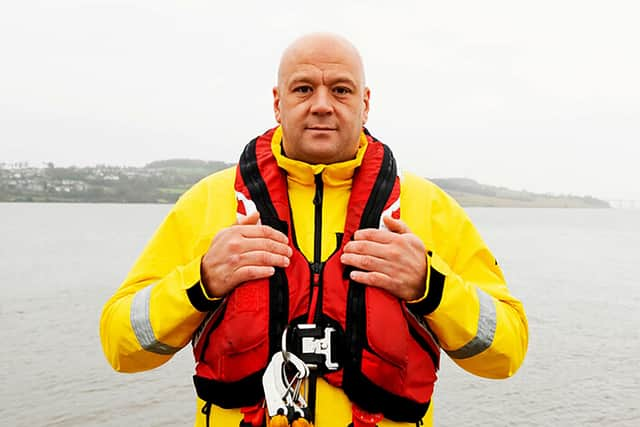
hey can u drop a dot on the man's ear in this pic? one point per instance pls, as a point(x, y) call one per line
point(276, 104)
point(365, 111)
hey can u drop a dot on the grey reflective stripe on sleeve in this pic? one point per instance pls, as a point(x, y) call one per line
point(486, 329)
point(141, 324)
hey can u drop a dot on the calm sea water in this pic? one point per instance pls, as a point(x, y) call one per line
point(577, 272)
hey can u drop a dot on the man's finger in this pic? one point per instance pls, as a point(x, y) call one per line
point(267, 245)
point(368, 263)
point(368, 247)
point(252, 272)
point(379, 280)
point(261, 259)
point(261, 231)
point(374, 235)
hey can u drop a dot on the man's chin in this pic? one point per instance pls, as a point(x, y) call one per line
point(318, 155)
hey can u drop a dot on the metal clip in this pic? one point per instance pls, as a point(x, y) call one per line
point(282, 395)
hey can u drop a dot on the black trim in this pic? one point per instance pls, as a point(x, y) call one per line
point(278, 310)
point(317, 267)
point(206, 410)
point(381, 191)
point(199, 300)
point(434, 295)
point(355, 333)
point(373, 398)
point(255, 184)
point(312, 389)
point(317, 214)
point(246, 392)
point(366, 132)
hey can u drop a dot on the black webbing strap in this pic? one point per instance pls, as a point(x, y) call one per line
point(357, 387)
point(278, 289)
point(356, 319)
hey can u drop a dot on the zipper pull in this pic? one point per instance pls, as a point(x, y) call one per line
point(316, 267)
point(316, 271)
point(317, 199)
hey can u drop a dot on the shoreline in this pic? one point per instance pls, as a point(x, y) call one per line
point(164, 181)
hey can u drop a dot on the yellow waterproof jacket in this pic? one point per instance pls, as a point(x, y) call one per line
point(477, 321)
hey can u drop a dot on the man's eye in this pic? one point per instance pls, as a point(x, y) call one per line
point(341, 90)
point(302, 89)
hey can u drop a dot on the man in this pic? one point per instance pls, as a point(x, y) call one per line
point(303, 237)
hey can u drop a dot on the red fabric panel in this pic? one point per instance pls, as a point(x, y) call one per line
point(241, 340)
point(236, 366)
point(385, 375)
point(395, 194)
point(299, 279)
point(416, 387)
point(241, 209)
point(274, 177)
point(363, 182)
point(387, 330)
point(334, 378)
point(334, 295)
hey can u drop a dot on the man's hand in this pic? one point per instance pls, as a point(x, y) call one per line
point(245, 251)
point(393, 259)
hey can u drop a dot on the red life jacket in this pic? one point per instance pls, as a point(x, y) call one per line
point(388, 359)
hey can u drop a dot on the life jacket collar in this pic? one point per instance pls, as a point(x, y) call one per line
point(334, 174)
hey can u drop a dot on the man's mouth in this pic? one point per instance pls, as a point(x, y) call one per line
point(321, 128)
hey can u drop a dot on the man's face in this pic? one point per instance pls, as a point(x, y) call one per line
point(321, 102)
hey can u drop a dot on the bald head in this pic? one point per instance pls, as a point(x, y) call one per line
point(320, 47)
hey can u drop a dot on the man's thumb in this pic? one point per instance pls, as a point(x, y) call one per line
point(395, 225)
point(252, 219)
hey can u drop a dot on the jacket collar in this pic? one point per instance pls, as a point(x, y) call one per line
point(334, 174)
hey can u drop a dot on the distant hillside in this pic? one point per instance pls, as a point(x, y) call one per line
point(157, 182)
point(471, 193)
point(191, 166)
point(163, 181)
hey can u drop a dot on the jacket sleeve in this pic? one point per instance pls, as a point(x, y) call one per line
point(467, 304)
point(161, 302)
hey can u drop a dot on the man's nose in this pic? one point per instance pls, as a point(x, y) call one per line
point(321, 102)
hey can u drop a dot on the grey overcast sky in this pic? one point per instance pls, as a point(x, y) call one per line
point(538, 95)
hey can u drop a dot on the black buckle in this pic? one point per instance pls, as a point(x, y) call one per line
point(314, 345)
